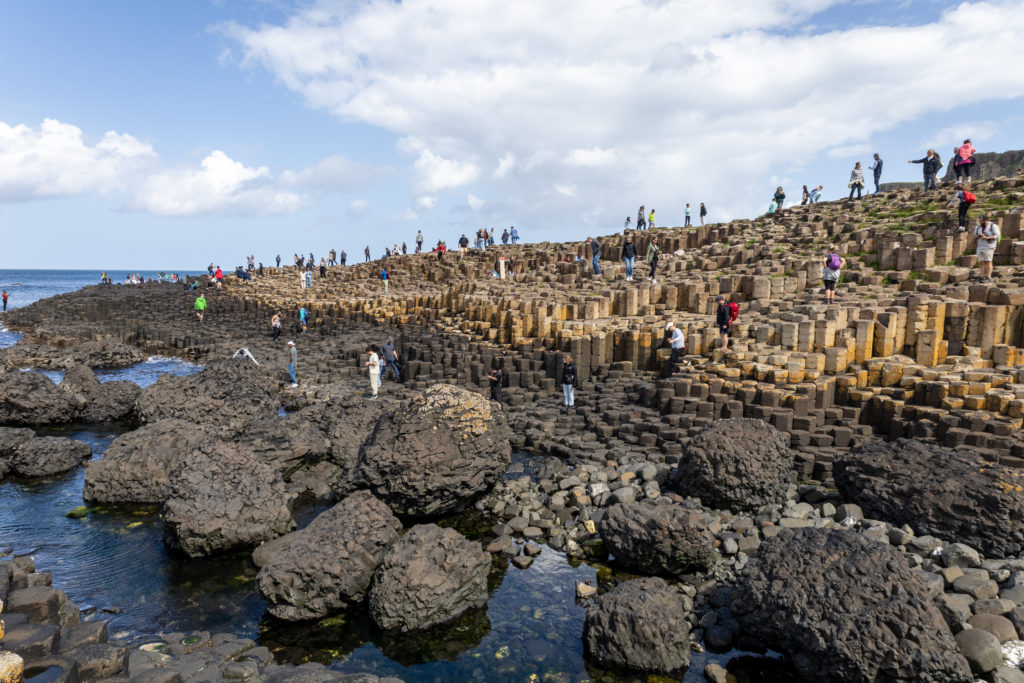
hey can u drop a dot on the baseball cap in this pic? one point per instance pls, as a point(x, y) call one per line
point(719, 298)
point(291, 343)
point(670, 326)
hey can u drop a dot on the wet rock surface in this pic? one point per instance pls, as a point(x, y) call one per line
point(657, 537)
point(429, 577)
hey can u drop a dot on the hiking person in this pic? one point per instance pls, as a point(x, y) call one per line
point(780, 197)
point(218, 277)
point(628, 255)
point(463, 245)
point(815, 194)
point(876, 169)
point(653, 250)
point(366, 253)
point(569, 382)
point(504, 236)
point(514, 234)
point(966, 199)
point(963, 160)
point(724, 316)
point(595, 250)
point(931, 164)
point(419, 241)
point(686, 215)
point(303, 315)
point(5, 300)
point(200, 306)
point(278, 260)
point(677, 341)
point(641, 223)
point(805, 196)
point(856, 180)
point(650, 220)
point(275, 325)
point(344, 257)
point(384, 278)
point(703, 213)
point(390, 357)
point(830, 272)
point(302, 279)
point(495, 378)
point(323, 269)
point(293, 356)
point(987, 234)
point(309, 277)
point(209, 269)
point(373, 367)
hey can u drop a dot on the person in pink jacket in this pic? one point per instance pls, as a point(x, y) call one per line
point(963, 161)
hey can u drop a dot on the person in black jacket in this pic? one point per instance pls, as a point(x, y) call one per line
point(495, 378)
point(932, 165)
point(628, 255)
point(569, 381)
point(723, 319)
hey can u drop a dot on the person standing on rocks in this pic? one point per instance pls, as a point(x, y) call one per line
point(966, 199)
point(653, 250)
point(209, 269)
point(366, 252)
point(780, 197)
point(569, 382)
point(200, 306)
point(816, 194)
point(931, 164)
point(495, 379)
point(384, 278)
point(373, 367)
point(405, 249)
point(625, 225)
point(876, 169)
point(323, 269)
point(628, 256)
point(830, 273)
point(303, 317)
point(390, 357)
point(5, 300)
point(987, 234)
point(292, 357)
point(856, 180)
point(309, 276)
point(703, 213)
point(344, 257)
point(805, 196)
point(514, 234)
point(419, 241)
point(641, 222)
point(677, 341)
point(686, 216)
point(595, 250)
point(504, 236)
point(278, 260)
point(650, 220)
point(963, 161)
point(723, 319)
point(218, 276)
point(463, 245)
point(275, 325)
point(302, 279)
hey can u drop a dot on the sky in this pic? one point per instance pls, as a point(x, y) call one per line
point(154, 135)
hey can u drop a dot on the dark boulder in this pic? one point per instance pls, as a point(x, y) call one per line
point(30, 398)
point(223, 499)
point(952, 494)
point(845, 608)
point(639, 625)
point(437, 453)
point(657, 537)
point(285, 442)
point(227, 396)
point(96, 402)
point(104, 353)
point(739, 463)
point(429, 577)
point(328, 566)
point(136, 466)
point(10, 439)
point(46, 456)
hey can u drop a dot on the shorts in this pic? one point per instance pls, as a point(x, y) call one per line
point(725, 329)
point(986, 254)
point(830, 285)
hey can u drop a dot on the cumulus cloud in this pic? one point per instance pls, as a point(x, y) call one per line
point(335, 174)
point(220, 185)
point(640, 99)
point(474, 202)
point(54, 160)
point(426, 203)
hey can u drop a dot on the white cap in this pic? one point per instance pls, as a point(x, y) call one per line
point(291, 343)
point(670, 326)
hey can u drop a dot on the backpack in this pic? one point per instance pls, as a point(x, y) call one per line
point(834, 262)
point(969, 197)
point(734, 311)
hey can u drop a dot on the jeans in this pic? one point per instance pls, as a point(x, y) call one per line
point(629, 265)
point(671, 364)
point(929, 182)
point(856, 188)
point(813, 198)
point(291, 371)
point(569, 394)
point(687, 222)
point(597, 266)
point(481, 244)
point(878, 177)
point(394, 368)
point(961, 214)
point(380, 375)
point(654, 267)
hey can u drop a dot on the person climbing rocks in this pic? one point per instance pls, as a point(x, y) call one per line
point(309, 276)
point(275, 325)
point(703, 213)
point(495, 378)
point(723, 319)
point(963, 161)
point(987, 234)
point(641, 221)
point(677, 342)
point(653, 250)
point(303, 315)
point(856, 181)
point(595, 250)
point(628, 256)
point(830, 272)
point(966, 200)
point(200, 306)
point(780, 197)
point(292, 357)
point(570, 380)
point(876, 169)
point(931, 165)
point(384, 278)
point(390, 357)
point(373, 368)
point(815, 194)
point(650, 220)
point(686, 216)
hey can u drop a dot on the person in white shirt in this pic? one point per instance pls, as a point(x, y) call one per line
point(373, 365)
point(987, 234)
point(677, 340)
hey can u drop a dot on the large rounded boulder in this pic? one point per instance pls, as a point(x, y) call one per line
point(953, 494)
point(328, 566)
point(30, 398)
point(657, 537)
point(845, 608)
point(639, 625)
point(99, 402)
point(430, 577)
point(437, 453)
point(46, 456)
point(136, 466)
point(739, 464)
point(10, 439)
point(221, 499)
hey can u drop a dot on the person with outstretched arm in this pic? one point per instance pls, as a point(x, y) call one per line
point(931, 165)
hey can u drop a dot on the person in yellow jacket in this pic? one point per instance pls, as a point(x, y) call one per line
point(650, 221)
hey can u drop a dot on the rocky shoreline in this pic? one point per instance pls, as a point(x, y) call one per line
point(813, 491)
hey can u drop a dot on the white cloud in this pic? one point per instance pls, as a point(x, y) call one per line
point(219, 186)
point(474, 202)
point(335, 174)
point(642, 100)
point(358, 207)
point(54, 160)
point(426, 203)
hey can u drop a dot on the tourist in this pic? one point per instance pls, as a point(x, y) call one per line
point(677, 341)
point(773, 205)
point(209, 269)
point(723, 319)
point(278, 260)
point(805, 196)
point(302, 279)
point(366, 252)
point(653, 250)
point(779, 197)
point(309, 276)
point(260, 269)
point(931, 166)
point(569, 382)
point(963, 161)
point(686, 216)
point(384, 278)
point(200, 306)
point(419, 241)
point(275, 325)
point(625, 225)
point(987, 233)
point(856, 181)
point(303, 315)
point(641, 222)
point(495, 378)
point(966, 199)
point(323, 269)
point(490, 238)
point(703, 213)
point(515, 235)
point(504, 236)
point(830, 272)
point(876, 169)
point(463, 245)
point(405, 250)
point(595, 250)
point(5, 300)
point(816, 194)
point(373, 367)
point(292, 357)
point(628, 255)
point(332, 257)
point(390, 357)
point(218, 276)
point(650, 220)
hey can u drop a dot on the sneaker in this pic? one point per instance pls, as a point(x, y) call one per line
point(294, 385)
point(961, 229)
point(653, 281)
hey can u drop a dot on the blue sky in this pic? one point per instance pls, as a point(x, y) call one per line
point(167, 135)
